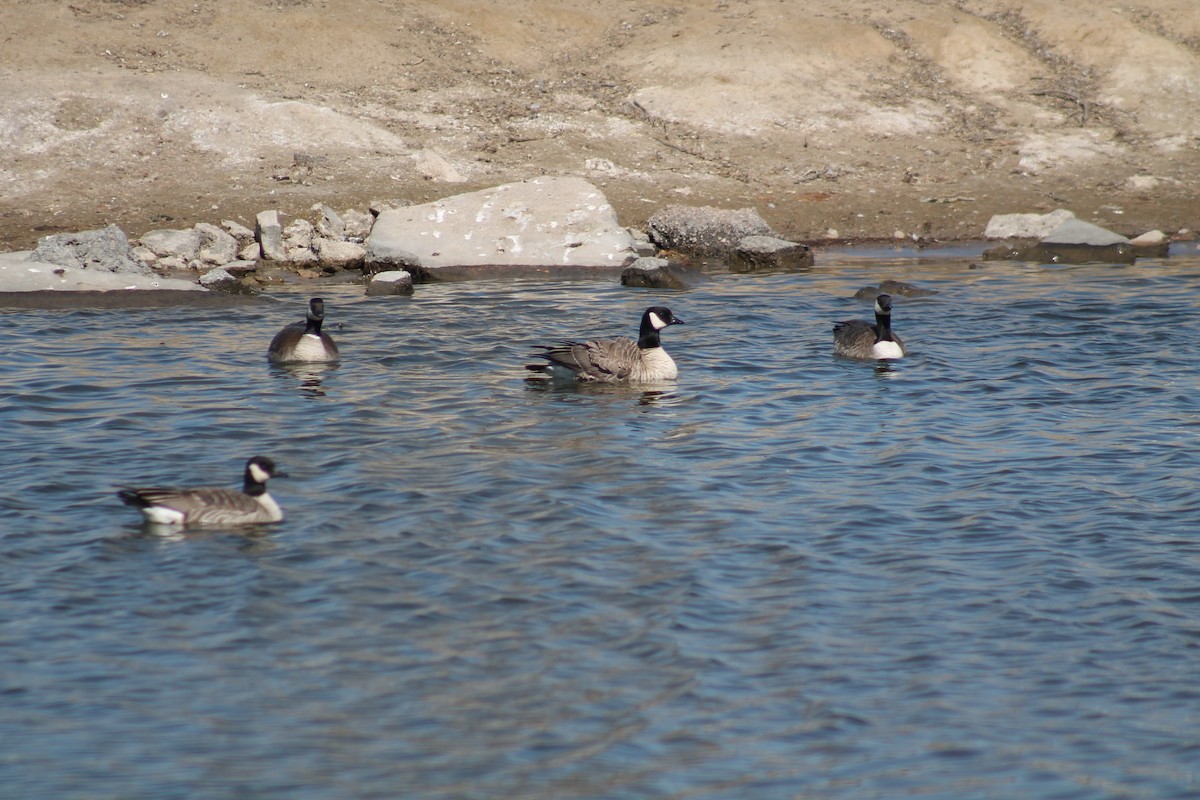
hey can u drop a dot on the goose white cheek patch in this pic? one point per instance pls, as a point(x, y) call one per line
point(258, 473)
point(657, 322)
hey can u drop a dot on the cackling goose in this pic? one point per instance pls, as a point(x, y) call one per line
point(615, 360)
point(209, 505)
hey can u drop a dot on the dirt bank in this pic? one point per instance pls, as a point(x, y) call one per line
point(875, 118)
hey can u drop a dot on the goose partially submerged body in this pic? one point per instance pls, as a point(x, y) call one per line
point(304, 341)
point(210, 505)
point(858, 338)
point(615, 360)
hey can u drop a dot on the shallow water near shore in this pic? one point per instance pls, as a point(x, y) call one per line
point(974, 572)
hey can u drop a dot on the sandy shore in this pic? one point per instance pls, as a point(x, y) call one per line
point(870, 120)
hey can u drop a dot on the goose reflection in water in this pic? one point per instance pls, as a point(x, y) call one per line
point(309, 376)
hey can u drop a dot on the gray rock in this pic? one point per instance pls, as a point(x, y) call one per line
point(104, 250)
point(902, 289)
point(330, 225)
point(220, 279)
point(298, 243)
point(299, 235)
point(216, 246)
point(357, 225)
point(241, 268)
point(238, 231)
point(649, 272)
point(145, 255)
point(22, 272)
point(338, 254)
point(250, 252)
point(545, 225)
point(641, 243)
point(1025, 226)
point(1080, 233)
point(894, 288)
point(704, 230)
point(167, 243)
point(269, 233)
point(300, 256)
point(756, 253)
point(172, 264)
point(391, 282)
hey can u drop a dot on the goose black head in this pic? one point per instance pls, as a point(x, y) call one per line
point(659, 317)
point(316, 309)
point(259, 470)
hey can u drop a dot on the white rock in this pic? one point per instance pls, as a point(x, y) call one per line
point(20, 272)
point(357, 225)
point(216, 246)
point(343, 255)
point(391, 282)
point(172, 243)
point(1078, 232)
point(1025, 226)
point(1153, 238)
point(238, 231)
point(559, 222)
point(268, 231)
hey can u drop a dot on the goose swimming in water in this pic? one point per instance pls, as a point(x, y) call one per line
point(210, 505)
point(615, 360)
point(304, 341)
point(858, 338)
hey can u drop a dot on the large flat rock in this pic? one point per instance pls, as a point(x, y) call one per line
point(20, 272)
point(559, 226)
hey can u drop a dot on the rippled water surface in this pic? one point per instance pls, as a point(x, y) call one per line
point(971, 573)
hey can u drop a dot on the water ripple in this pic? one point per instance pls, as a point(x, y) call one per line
point(969, 573)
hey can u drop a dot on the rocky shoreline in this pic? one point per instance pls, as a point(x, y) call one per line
point(553, 227)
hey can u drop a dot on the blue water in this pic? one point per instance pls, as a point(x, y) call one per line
point(971, 573)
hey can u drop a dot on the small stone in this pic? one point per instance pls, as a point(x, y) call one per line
point(221, 280)
point(241, 269)
point(1153, 238)
point(641, 243)
point(392, 282)
point(651, 273)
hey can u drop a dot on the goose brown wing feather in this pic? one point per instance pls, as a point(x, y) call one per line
point(204, 504)
point(597, 359)
point(613, 358)
point(854, 337)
